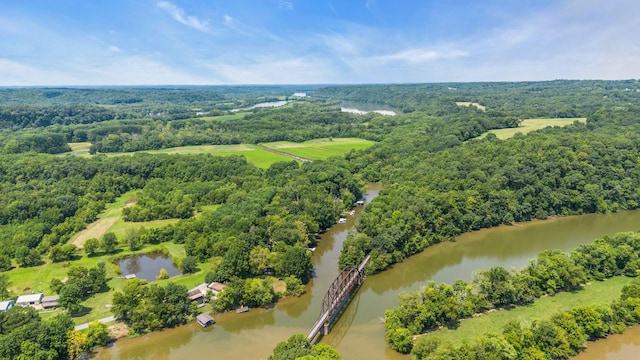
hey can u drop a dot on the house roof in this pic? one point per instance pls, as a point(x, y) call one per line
point(52, 298)
point(204, 318)
point(4, 305)
point(195, 296)
point(29, 298)
point(216, 286)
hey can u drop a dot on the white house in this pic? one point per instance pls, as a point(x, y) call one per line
point(29, 300)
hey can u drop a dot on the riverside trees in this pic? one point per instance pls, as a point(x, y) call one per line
point(551, 272)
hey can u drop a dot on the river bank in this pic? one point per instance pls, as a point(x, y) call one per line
point(360, 331)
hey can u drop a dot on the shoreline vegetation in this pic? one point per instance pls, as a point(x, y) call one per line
point(444, 319)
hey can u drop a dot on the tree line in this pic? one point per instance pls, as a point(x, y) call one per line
point(561, 336)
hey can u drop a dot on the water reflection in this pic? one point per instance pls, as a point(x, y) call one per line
point(341, 327)
point(254, 319)
point(147, 266)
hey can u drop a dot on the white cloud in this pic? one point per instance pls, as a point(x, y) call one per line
point(420, 55)
point(179, 15)
point(114, 49)
point(129, 70)
point(284, 4)
point(234, 25)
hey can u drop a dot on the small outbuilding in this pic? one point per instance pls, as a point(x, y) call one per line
point(50, 302)
point(29, 300)
point(6, 305)
point(205, 320)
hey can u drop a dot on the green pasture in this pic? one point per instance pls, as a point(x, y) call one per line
point(78, 149)
point(530, 125)
point(543, 308)
point(469, 103)
point(227, 117)
point(320, 149)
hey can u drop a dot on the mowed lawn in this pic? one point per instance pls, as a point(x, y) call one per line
point(320, 149)
point(530, 125)
point(543, 308)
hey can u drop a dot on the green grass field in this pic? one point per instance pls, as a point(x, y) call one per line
point(320, 149)
point(234, 116)
point(78, 149)
point(529, 125)
point(545, 307)
point(254, 154)
point(469, 103)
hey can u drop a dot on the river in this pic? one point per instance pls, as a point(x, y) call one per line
point(360, 332)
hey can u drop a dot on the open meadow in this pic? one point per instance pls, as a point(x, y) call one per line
point(529, 125)
point(317, 149)
point(320, 149)
point(595, 292)
point(469, 103)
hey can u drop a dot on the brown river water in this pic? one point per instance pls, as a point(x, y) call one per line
point(359, 333)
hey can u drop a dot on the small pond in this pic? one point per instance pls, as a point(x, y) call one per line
point(147, 266)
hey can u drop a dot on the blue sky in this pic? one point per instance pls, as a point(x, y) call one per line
point(150, 42)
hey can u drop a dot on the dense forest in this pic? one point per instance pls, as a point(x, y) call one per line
point(439, 179)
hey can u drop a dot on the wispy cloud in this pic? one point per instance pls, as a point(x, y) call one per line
point(421, 55)
point(114, 49)
point(235, 25)
point(246, 30)
point(284, 4)
point(179, 15)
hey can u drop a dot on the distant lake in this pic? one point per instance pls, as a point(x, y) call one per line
point(364, 108)
point(264, 105)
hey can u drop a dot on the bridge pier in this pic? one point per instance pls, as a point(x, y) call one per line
point(326, 328)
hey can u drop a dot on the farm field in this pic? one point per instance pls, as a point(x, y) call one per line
point(254, 154)
point(530, 125)
point(227, 117)
point(469, 103)
point(545, 307)
point(317, 149)
point(320, 149)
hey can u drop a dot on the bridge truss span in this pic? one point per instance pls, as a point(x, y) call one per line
point(337, 296)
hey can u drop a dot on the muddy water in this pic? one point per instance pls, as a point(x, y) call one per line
point(614, 347)
point(360, 333)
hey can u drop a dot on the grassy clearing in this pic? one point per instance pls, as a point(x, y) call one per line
point(320, 149)
point(37, 279)
point(529, 125)
point(469, 103)
point(545, 307)
point(106, 220)
point(234, 116)
point(254, 154)
point(78, 149)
